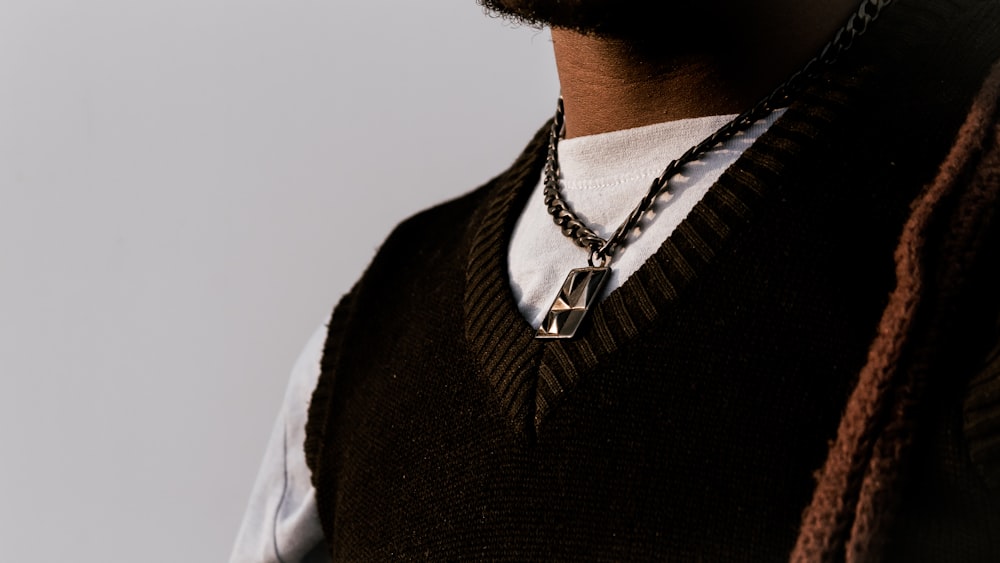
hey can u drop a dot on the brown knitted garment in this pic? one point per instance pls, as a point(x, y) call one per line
point(775, 329)
point(857, 480)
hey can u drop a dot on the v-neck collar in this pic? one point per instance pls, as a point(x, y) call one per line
point(528, 376)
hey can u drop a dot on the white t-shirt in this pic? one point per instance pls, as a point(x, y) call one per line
point(603, 178)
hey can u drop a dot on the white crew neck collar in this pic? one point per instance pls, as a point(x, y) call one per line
point(603, 158)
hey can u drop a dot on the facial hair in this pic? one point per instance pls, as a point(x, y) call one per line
point(669, 21)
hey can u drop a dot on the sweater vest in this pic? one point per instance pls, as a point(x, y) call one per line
point(688, 420)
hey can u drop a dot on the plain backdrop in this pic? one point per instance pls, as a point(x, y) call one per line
point(186, 189)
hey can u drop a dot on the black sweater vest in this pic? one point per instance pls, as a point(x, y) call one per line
point(687, 422)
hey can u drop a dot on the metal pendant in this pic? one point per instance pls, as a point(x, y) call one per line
point(579, 292)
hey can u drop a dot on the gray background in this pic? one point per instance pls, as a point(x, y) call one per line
point(186, 189)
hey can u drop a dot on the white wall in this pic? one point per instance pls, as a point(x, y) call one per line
point(186, 188)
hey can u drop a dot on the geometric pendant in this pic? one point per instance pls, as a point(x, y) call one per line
point(579, 292)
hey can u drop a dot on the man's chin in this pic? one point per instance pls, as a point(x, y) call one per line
point(634, 20)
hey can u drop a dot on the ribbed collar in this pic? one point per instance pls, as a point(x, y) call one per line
point(529, 376)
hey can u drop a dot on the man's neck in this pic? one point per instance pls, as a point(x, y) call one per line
point(610, 84)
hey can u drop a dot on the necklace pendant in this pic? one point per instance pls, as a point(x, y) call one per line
point(578, 294)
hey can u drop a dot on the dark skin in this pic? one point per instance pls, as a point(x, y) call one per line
point(611, 83)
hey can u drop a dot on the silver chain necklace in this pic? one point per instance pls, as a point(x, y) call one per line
point(583, 286)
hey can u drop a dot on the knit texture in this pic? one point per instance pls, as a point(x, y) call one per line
point(877, 426)
point(688, 420)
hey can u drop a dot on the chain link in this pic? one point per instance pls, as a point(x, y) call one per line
point(602, 250)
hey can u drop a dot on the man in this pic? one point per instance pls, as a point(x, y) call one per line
point(777, 343)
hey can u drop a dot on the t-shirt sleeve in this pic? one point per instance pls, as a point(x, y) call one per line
point(281, 524)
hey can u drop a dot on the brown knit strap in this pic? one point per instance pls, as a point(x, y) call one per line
point(845, 517)
point(977, 203)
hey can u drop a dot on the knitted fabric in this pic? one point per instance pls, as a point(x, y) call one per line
point(688, 419)
point(877, 427)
